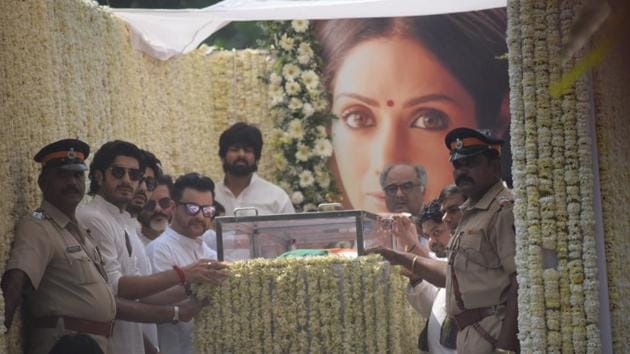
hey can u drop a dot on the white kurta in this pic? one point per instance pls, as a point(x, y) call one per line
point(430, 302)
point(110, 228)
point(172, 248)
point(261, 194)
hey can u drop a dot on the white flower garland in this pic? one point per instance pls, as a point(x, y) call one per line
point(317, 304)
point(300, 101)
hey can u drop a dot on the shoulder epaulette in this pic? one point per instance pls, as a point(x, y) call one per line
point(503, 200)
point(39, 214)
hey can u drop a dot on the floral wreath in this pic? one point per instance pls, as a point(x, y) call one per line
point(300, 140)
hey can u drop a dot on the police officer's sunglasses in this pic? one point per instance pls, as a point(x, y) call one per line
point(193, 209)
point(119, 172)
point(164, 203)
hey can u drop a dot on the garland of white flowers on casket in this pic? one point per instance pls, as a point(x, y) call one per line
point(300, 142)
point(308, 305)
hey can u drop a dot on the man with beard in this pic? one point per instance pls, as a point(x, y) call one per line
point(404, 187)
point(181, 244)
point(115, 173)
point(240, 148)
point(152, 171)
point(481, 287)
point(54, 265)
point(157, 213)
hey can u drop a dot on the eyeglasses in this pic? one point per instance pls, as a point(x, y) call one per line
point(164, 203)
point(119, 172)
point(150, 182)
point(404, 187)
point(193, 209)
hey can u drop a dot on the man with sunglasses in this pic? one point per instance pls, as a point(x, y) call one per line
point(240, 148)
point(157, 213)
point(54, 266)
point(115, 173)
point(182, 243)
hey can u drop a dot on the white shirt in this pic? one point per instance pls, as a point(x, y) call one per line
point(261, 194)
point(167, 250)
point(110, 228)
point(430, 302)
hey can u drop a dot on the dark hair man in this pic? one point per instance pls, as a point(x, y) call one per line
point(152, 172)
point(181, 244)
point(481, 286)
point(240, 149)
point(115, 173)
point(157, 212)
point(54, 264)
point(404, 187)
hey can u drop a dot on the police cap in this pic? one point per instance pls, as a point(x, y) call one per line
point(67, 154)
point(465, 142)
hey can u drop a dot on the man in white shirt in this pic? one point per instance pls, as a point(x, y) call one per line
point(115, 173)
point(158, 211)
point(181, 243)
point(240, 148)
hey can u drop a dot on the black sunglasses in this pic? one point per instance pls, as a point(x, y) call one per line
point(119, 172)
point(150, 182)
point(164, 203)
point(193, 209)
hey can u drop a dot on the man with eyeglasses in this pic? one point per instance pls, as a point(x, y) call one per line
point(115, 173)
point(181, 244)
point(404, 187)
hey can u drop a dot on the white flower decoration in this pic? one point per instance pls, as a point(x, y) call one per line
point(291, 71)
point(296, 129)
point(275, 79)
point(308, 110)
point(295, 104)
point(303, 152)
point(306, 179)
point(320, 105)
point(322, 177)
point(310, 207)
point(292, 88)
point(310, 79)
point(300, 26)
point(323, 148)
point(304, 59)
point(305, 49)
point(321, 131)
point(286, 42)
point(297, 197)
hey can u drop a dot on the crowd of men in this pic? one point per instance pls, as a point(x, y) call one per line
point(115, 273)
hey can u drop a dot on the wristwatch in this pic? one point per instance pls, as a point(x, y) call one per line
point(175, 314)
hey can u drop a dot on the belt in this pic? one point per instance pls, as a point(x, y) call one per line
point(76, 324)
point(469, 317)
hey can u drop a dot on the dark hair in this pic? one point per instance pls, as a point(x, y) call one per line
point(104, 157)
point(76, 344)
point(165, 180)
point(192, 180)
point(242, 134)
point(431, 212)
point(468, 44)
point(421, 173)
point(219, 209)
point(448, 191)
point(152, 162)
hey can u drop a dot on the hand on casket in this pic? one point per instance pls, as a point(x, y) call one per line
point(392, 256)
point(206, 271)
point(190, 308)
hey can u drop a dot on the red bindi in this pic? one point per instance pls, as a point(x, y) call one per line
point(390, 103)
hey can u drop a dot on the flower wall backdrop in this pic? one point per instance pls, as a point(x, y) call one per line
point(308, 305)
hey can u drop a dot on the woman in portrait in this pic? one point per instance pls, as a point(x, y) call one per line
point(398, 85)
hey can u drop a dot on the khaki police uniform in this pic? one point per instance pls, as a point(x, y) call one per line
point(481, 260)
point(65, 269)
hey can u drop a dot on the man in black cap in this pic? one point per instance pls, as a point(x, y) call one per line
point(481, 286)
point(54, 264)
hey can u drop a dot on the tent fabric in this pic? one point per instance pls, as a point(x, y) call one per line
point(164, 34)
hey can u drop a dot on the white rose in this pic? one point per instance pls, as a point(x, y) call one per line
point(306, 179)
point(297, 197)
point(299, 26)
point(286, 42)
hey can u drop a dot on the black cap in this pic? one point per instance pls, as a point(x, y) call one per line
point(465, 142)
point(67, 154)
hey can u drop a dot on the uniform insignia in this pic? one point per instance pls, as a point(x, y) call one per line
point(73, 249)
point(459, 143)
point(39, 214)
point(504, 201)
point(71, 154)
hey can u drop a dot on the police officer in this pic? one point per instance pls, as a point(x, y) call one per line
point(481, 286)
point(54, 264)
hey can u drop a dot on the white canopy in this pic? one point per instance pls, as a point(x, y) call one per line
point(167, 33)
